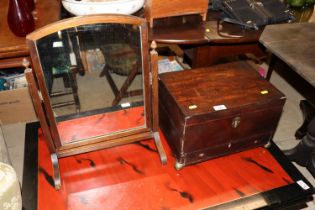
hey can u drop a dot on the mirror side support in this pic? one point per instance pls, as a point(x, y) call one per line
point(155, 102)
point(37, 102)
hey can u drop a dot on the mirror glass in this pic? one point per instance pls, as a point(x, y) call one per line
point(93, 75)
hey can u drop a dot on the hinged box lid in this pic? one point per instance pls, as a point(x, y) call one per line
point(228, 88)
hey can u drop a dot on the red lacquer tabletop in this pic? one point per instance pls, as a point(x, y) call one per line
point(101, 124)
point(132, 177)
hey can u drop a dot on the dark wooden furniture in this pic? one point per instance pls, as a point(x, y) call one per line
point(131, 177)
point(163, 8)
point(70, 88)
point(12, 48)
point(294, 45)
point(205, 42)
point(94, 127)
point(214, 111)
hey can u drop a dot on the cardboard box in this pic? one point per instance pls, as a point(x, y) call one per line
point(16, 106)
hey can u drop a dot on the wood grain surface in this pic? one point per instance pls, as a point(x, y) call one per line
point(224, 109)
point(165, 8)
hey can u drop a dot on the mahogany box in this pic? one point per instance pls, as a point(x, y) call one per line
point(214, 111)
point(166, 8)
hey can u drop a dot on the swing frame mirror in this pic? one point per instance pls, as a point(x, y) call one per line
point(43, 106)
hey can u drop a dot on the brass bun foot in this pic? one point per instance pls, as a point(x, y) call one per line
point(178, 166)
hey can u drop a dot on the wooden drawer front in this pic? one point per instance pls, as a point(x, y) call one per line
point(258, 122)
point(251, 142)
point(226, 131)
point(208, 134)
point(223, 149)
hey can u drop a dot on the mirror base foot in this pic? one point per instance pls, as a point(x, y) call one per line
point(160, 148)
point(56, 171)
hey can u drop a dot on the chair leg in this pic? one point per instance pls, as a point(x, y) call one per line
point(110, 80)
point(69, 81)
point(125, 86)
point(74, 87)
point(56, 171)
point(123, 91)
point(272, 64)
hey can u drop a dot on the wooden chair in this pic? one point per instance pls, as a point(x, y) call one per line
point(128, 67)
point(56, 57)
point(121, 58)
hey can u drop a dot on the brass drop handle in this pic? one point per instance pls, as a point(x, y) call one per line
point(236, 122)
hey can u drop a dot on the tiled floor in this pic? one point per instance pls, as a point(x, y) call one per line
point(284, 137)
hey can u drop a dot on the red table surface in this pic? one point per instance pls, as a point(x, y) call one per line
point(101, 124)
point(132, 177)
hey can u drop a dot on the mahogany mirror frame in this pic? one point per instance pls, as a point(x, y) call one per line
point(43, 108)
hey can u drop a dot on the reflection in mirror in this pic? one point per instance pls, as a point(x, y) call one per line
point(93, 74)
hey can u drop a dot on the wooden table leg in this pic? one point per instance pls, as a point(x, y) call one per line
point(272, 63)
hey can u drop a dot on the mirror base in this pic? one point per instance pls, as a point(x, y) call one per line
point(160, 148)
point(55, 164)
